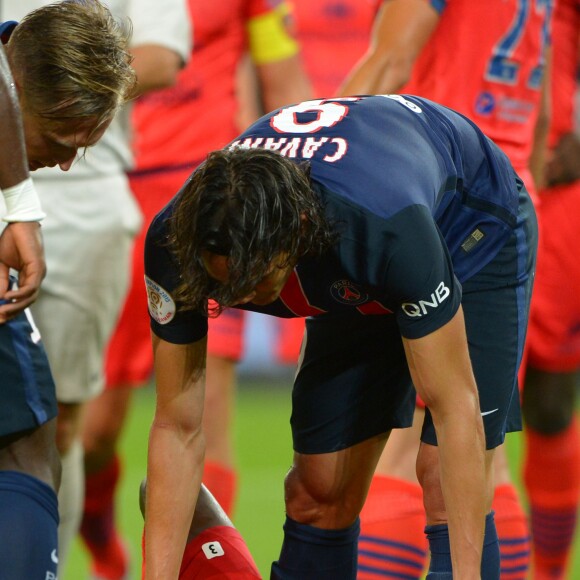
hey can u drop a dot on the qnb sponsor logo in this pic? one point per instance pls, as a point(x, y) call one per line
point(422, 307)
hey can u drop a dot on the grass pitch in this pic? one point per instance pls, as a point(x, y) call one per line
point(264, 455)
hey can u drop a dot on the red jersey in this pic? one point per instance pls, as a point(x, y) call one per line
point(566, 27)
point(175, 128)
point(487, 63)
point(333, 35)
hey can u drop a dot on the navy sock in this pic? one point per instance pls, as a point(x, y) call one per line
point(28, 530)
point(490, 561)
point(310, 553)
point(440, 565)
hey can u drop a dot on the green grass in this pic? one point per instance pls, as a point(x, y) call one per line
point(264, 450)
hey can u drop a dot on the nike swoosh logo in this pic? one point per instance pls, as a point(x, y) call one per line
point(488, 412)
point(54, 557)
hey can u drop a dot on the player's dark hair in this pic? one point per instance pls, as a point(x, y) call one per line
point(250, 205)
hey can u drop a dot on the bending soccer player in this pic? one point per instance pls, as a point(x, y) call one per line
point(407, 239)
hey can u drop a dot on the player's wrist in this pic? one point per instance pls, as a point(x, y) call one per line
point(22, 203)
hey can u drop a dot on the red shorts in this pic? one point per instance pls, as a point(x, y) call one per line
point(218, 552)
point(225, 338)
point(554, 330)
point(129, 360)
point(288, 340)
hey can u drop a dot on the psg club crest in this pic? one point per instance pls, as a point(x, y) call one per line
point(345, 292)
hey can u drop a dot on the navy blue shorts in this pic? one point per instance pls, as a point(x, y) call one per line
point(353, 380)
point(27, 396)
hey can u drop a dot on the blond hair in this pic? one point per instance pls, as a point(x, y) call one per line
point(71, 62)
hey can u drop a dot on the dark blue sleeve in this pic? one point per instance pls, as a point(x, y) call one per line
point(168, 320)
point(419, 275)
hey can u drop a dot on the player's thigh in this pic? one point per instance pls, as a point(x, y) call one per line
point(76, 321)
point(352, 383)
point(89, 234)
point(554, 332)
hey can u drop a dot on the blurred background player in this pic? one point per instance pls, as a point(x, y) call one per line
point(500, 67)
point(174, 130)
point(215, 548)
point(71, 73)
point(552, 437)
point(91, 221)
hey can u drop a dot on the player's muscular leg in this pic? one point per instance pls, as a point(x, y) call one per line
point(32, 452)
point(328, 490)
point(549, 400)
point(428, 473)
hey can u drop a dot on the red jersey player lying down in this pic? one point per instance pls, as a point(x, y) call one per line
point(215, 548)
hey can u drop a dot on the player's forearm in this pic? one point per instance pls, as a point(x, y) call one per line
point(156, 68)
point(283, 83)
point(377, 74)
point(174, 470)
point(463, 479)
point(400, 31)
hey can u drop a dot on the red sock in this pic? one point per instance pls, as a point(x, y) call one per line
point(108, 554)
point(392, 540)
point(552, 478)
point(222, 482)
point(512, 529)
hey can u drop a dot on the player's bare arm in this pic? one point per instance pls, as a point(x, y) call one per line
point(156, 67)
point(442, 373)
point(21, 243)
point(283, 82)
point(401, 29)
point(176, 453)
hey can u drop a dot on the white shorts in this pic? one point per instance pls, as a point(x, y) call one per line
point(88, 235)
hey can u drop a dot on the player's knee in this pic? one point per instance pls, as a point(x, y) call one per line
point(101, 444)
point(316, 501)
point(550, 420)
point(430, 481)
point(549, 402)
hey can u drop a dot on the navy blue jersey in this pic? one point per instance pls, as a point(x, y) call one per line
point(421, 199)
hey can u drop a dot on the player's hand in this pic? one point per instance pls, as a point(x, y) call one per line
point(564, 165)
point(21, 248)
